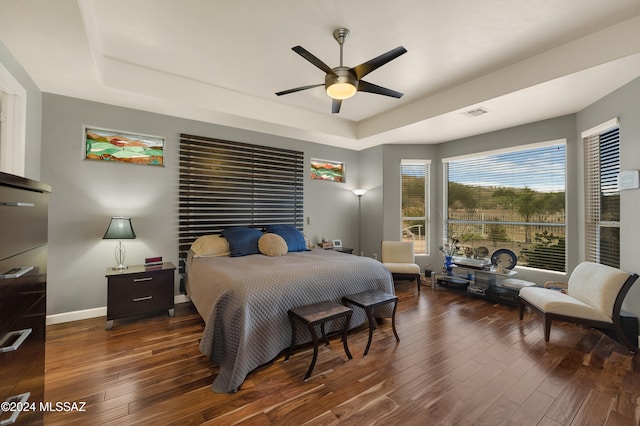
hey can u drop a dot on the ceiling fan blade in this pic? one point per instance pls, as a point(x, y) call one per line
point(297, 89)
point(375, 63)
point(335, 106)
point(313, 59)
point(365, 86)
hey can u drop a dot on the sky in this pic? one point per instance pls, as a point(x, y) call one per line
point(540, 169)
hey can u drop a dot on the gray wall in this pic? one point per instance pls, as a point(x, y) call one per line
point(624, 103)
point(558, 128)
point(34, 113)
point(371, 212)
point(87, 193)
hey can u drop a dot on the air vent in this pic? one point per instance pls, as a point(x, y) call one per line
point(476, 112)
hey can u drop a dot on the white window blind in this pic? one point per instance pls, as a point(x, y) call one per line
point(513, 199)
point(415, 204)
point(602, 197)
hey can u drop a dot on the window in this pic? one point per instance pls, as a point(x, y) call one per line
point(512, 199)
point(13, 112)
point(602, 197)
point(415, 204)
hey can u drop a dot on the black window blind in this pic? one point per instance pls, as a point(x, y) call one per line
point(225, 184)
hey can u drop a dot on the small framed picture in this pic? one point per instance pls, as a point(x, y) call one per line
point(333, 171)
point(123, 147)
point(337, 244)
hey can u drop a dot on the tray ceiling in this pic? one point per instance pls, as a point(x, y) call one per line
point(222, 61)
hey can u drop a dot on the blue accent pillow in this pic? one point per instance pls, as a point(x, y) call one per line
point(242, 241)
point(294, 238)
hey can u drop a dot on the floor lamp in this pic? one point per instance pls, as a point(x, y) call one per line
point(359, 193)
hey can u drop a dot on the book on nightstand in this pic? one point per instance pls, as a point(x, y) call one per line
point(153, 261)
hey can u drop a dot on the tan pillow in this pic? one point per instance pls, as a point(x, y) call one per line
point(272, 245)
point(210, 246)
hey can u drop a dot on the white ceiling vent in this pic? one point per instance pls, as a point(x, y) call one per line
point(476, 112)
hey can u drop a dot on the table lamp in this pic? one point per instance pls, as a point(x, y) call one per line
point(120, 229)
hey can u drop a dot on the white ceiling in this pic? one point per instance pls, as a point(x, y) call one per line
point(222, 61)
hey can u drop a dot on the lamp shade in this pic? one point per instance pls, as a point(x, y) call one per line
point(119, 229)
point(359, 192)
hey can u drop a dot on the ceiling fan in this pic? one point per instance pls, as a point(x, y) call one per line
point(343, 82)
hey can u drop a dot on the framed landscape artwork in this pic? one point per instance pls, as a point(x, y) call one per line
point(123, 147)
point(327, 170)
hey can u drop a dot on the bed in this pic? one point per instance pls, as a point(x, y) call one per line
point(244, 302)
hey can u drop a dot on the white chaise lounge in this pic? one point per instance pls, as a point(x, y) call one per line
point(594, 296)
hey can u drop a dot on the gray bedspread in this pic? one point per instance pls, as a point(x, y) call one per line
point(244, 302)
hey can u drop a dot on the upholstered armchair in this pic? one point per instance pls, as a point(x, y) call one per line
point(399, 258)
point(592, 296)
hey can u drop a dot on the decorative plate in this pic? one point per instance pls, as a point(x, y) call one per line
point(482, 252)
point(504, 258)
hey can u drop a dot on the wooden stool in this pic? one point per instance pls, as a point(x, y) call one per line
point(319, 313)
point(368, 300)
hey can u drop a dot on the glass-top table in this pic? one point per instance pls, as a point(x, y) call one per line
point(485, 283)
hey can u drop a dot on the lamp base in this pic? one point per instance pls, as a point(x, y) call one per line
point(120, 255)
point(120, 268)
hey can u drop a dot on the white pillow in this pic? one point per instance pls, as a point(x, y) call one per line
point(210, 246)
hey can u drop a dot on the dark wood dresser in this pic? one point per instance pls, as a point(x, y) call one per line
point(23, 283)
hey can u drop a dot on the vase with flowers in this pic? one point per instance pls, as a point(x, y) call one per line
point(449, 249)
point(448, 264)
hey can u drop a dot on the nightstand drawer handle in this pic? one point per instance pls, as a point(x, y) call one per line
point(16, 204)
point(138, 280)
point(140, 299)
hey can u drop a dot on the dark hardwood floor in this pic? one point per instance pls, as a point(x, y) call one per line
point(460, 361)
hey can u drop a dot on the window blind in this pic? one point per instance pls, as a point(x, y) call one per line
point(415, 203)
point(512, 199)
point(224, 184)
point(602, 197)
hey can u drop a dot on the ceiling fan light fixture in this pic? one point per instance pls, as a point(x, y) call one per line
point(341, 90)
point(342, 84)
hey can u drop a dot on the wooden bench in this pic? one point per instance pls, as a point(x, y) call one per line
point(368, 300)
point(318, 314)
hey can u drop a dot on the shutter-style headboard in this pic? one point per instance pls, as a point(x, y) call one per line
point(225, 184)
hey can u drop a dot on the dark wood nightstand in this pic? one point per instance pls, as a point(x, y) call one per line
point(342, 250)
point(138, 290)
point(346, 250)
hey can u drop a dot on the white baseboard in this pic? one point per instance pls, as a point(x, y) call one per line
point(95, 312)
point(76, 315)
